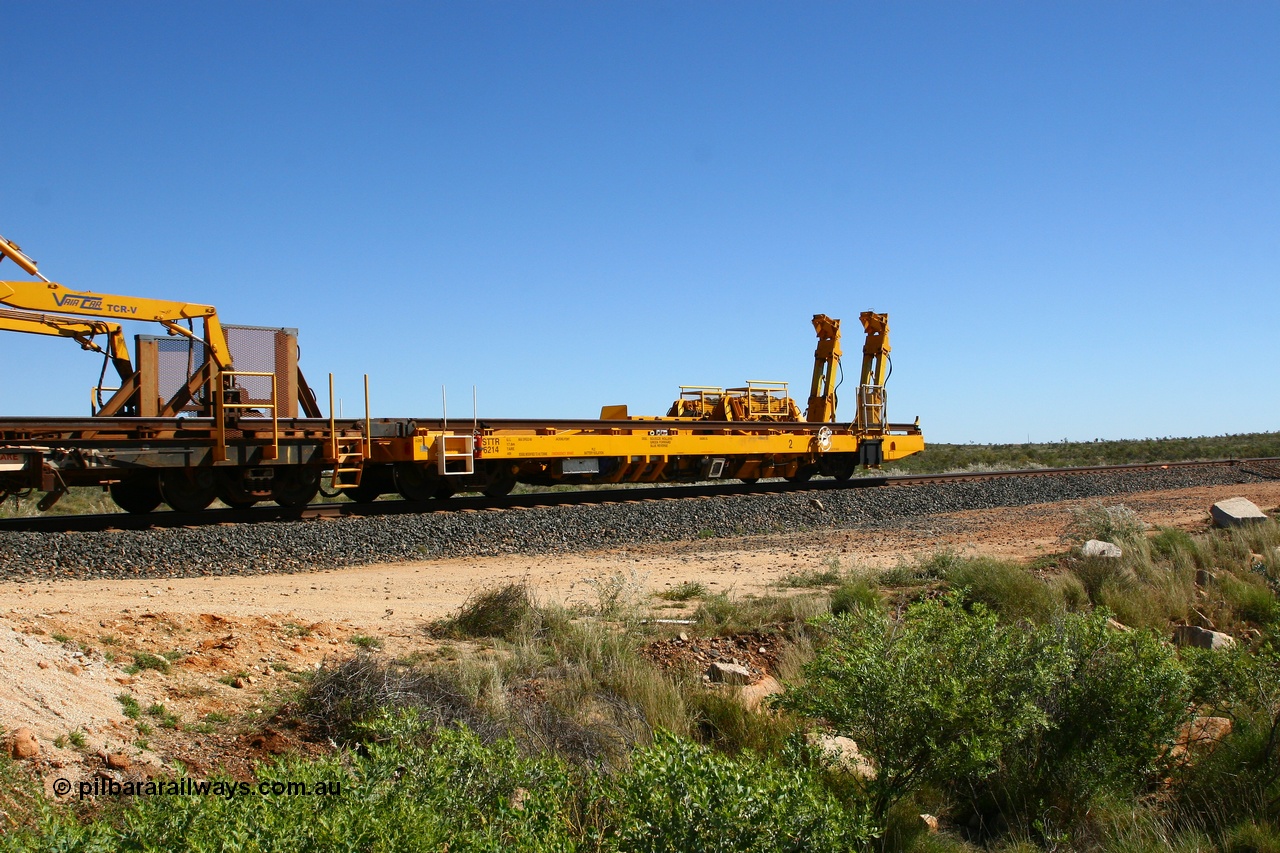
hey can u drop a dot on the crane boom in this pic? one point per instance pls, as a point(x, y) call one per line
point(175, 316)
point(826, 359)
point(875, 353)
point(46, 295)
point(81, 331)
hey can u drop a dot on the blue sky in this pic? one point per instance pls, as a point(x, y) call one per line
point(1070, 211)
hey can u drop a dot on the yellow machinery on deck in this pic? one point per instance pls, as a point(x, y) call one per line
point(708, 433)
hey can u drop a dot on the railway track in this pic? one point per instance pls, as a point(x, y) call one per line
point(1265, 467)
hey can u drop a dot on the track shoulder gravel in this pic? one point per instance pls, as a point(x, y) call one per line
point(321, 544)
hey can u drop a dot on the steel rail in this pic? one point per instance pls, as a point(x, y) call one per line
point(348, 509)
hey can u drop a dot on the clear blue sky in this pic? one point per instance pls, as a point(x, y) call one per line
point(1070, 211)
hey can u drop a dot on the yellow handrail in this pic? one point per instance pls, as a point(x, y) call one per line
point(221, 405)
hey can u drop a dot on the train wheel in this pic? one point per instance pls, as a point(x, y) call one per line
point(375, 481)
point(295, 486)
point(412, 482)
point(188, 489)
point(500, 488)
point(444, 490)
point(138, 493)
point(364, 494)
point(231, 490)
point(750, 481)
point(804, 475)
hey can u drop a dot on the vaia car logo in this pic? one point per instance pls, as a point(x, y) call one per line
point(91, 303)
point(70, 300)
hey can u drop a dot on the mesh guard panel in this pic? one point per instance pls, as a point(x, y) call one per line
point(257, 349)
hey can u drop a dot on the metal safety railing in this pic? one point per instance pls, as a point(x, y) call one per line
point(95, 397)
point(455, 454)
point(348, 464)
point(220, 406)
point(766, 397)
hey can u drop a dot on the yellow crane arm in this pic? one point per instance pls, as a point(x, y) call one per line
point(826, 359)
point(875, 351)
point(875, 348)
point(45, 295)
point(82, 332)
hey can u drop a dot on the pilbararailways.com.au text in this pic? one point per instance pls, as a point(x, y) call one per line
point(228, 790)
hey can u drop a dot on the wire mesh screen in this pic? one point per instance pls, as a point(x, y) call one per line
point(254, 349)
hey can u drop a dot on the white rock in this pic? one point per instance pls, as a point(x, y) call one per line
point(1200, 638)
point(729, 673)
point(843, 752)
point(1098, 548)
point(753, 695)
point(1233, 512)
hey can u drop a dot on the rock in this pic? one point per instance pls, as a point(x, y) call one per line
point(117, 761)
point(1201, 733)
point(23, 743)
point(684, 638)
point(1205, 730)
point(843, 753)
point(1201, 638)
point(1234, 512)
point(1098, 548)
point(518, 798)
point(817, 504)
point(753, 695)
point(1118, 626)
point(1204, 577)
point(729, 673)
point(930, 822)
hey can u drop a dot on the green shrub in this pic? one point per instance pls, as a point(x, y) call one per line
point(723, 613)
point(931, 568)
point(1170, 542)
point(1008, 589)
point(496, 613)
point(145, 660)
point(1253, 837)
point(1110, 715)
point(938, 696)
point(418, 787)
point(721, 720)
point(1135, 604)
point(684, 591)
point(1240, 779)
point(1116, 524)
point(854, 595)
point(129, 705)
point(1095, 573)
point(1249, 597)
point(1236, 781)
point(810, 579)
point(1070, 590)
point(680, 797)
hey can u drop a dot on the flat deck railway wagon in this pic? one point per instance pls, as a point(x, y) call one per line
point(226, 413)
